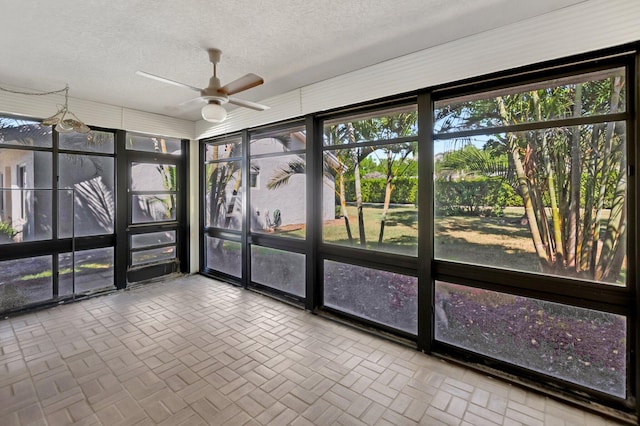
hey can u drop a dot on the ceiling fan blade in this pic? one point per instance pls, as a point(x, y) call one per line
point(166, 80)
point(248, 104)
point(241, 84)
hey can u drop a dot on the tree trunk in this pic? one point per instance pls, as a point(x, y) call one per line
point(385, 208)
point(588, 245)
point(214, 206)
point(234, 197)
point(574, 197)
point(358, 188)
point(343, 204)
point(524, 187)
point(356, 174)
point(599, 264)
point(616, 228)
point(557, 253)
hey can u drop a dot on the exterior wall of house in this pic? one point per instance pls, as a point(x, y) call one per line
point(41, 213)
point(288, 198)
point(28, 210)
point(328, 193)
point(18, 204)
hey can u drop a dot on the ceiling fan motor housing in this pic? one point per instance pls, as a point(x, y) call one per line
point(212, 92)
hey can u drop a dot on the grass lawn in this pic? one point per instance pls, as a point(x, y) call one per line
point(400, 232)
point(26, 281)
point(493, 241)
point(500, 242)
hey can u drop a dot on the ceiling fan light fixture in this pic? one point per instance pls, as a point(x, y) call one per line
point(214, 113)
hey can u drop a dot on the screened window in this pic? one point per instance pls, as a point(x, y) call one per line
point(153, 239)
point(24, 133)
point(85, 271)
point(153, 144)
point(153, 192)
point(580, 345)
point(370, 181)
point(381, 296)
point(279, 269)
point(223, 184)
point(278, 183)
point(73, 173)
point(86, 195)
point(526, 262)
point(534, 178)
point(94, 141)
point(142, 257)
point(27, 201)
point(576, 96)
point(25, 281)
point(224, 256)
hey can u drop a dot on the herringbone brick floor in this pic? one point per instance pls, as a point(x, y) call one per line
point(194, 351)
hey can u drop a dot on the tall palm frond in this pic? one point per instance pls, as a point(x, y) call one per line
point(281, 177)
point(22, 132)
point(475, 161)
point(95, 195)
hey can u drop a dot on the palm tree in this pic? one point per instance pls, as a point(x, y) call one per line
point(219, 176)
point(396, 156)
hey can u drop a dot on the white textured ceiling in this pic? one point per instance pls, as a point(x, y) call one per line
point(96, 46)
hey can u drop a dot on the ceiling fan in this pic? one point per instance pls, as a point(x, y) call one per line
point(216, 95)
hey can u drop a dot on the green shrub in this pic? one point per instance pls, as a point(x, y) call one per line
point(6, 231)
point(373, 190)
point(480, 196)
point(511, 197)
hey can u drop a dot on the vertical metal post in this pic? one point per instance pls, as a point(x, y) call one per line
point(122, 211)
point(633, 254)
point(426, 286)
point(73, 242)
point(55, 217)
point(182, 215)
point(246, 219)
point(314, 211)
point(202, 176)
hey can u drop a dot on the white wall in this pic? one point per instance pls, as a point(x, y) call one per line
point(96, 114)
point(584, 27)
